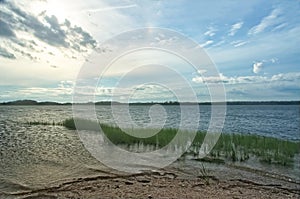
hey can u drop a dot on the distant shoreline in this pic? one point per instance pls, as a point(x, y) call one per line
point(33, 102)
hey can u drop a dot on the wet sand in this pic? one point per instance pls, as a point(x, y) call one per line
point(230, 182)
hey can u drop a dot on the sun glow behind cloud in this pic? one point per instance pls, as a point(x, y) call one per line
point(60, 9)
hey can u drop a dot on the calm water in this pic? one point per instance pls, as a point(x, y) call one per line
point(34, 156)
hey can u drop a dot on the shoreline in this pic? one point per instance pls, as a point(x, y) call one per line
point(172, 182)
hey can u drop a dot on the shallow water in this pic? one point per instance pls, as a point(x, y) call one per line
point(34, 156)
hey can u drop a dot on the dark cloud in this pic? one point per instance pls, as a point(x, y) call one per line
point(50, 33)
point(23, 53)
point(67, 23)
point(43, 27)
point(53, 34)
point(86, 38)
point(5, 30)
point(6, 54)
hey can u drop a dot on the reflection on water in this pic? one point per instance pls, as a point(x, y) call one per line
point(34, 156)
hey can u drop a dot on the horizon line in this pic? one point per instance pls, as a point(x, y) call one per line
point(146, 102)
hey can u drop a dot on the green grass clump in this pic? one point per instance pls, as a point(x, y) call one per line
point(69, 123)
point(43, 123)
point(233, 147)
point(81, 124)
point(239, 147)
point(117, 136)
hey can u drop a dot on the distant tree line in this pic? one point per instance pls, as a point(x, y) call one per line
point(33, 102)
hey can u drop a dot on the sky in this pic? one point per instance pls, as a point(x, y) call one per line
point(45, 43)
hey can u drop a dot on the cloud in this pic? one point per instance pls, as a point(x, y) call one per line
point(86, 39)
point(286, 77)
point(5, 30)
point(239, 43)
point(235, 27)
point(228, 80)
point(206, 43)
point(211, 31)
point(210, 79)
point(51, 32)
point(281, 77)
point(110, 8)
point(17, 26)
point(21, 47)
point(267, 21)
point(201, 72)
point(274, 60)
point(30, 33)
point(6, 54)
point(257, 66)
point(238, 88)
point(275, 44)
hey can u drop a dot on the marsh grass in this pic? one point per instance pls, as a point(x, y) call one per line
point(204, 174)
point(44, 123)
point(233, 147)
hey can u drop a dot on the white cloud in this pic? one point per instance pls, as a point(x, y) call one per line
point(201, 72)
point(229, 80)
point(26, 31)
point(257, 66)
point(150, 92)
point(269, 20)
point(235, 27)
point(281, 77)
point(206, 43)
point(211, 31)
point(266, 45)
point(210, 79)
point(239, 43)
point(280, 26)
point(274, 60)
point(67, 84)
point(110, 8)
point(286, 77)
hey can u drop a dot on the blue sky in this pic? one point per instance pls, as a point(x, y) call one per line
point(254, 45)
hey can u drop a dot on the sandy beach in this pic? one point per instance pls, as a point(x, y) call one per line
point(233, 182)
